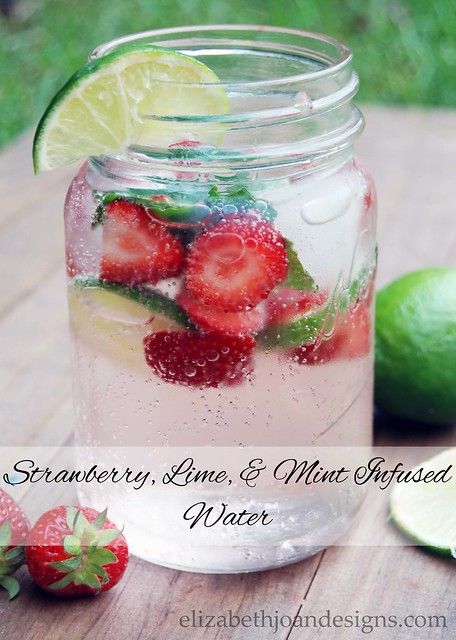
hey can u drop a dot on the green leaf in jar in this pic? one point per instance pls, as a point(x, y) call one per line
point(307, 328)
point(298, 277)
point(160, 206)
point(238, 200)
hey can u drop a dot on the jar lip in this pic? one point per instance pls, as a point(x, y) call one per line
point(343, 54)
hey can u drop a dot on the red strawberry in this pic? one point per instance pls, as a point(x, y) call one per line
point(197, 359)
point(14, 527)
point(210, 317)
point(283, 304)
point(351, 339)
point(137, 250)
point(236, 263)
point(73, 551)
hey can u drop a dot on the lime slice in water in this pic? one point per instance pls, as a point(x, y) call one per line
point(110, 103)
point(114, 320)
point(426, 512)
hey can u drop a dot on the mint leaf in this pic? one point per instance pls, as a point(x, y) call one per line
point(298, 277)
point(237, 200)
point(170, 209)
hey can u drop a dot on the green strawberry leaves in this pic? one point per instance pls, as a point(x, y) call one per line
point(5, 534)
point(10, 560)
point(11, 585)
point(86, 546)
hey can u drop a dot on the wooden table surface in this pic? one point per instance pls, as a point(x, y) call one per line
point(412, 154)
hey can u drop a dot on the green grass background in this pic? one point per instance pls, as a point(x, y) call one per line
point(405, 50)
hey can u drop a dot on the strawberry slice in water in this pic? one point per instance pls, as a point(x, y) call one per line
point(212, 318)
point(284, 304)
point(351, 339)
point(236, 263)
point(195, 359)
point(137, 250)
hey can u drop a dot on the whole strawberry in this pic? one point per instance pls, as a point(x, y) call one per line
point(73, 551)
point(14, 527)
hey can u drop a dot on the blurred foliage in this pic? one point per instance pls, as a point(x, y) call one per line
point(405, 50)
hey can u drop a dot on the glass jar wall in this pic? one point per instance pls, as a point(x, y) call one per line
point(220, 278)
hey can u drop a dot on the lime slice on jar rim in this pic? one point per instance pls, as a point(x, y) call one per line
point(426, 512)
point(111, 102)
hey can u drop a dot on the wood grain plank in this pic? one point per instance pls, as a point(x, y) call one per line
point(150, 601)
point(412, 154)
point(21, 190)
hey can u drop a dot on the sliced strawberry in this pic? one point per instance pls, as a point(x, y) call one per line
point(351, 339)
point(210, 317)
point(236, 263)
point(195, 359)
point(284, 304)
point(137, 250)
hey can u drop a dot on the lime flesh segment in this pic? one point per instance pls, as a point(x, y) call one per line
point(112, 322)
point(426, 512)
point(110, 103)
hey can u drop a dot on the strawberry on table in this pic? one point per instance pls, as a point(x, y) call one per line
point(73, 551)
point(236, 263)
point(137, 250)
point(212, 318)
point(195, 359)
point(14, 527)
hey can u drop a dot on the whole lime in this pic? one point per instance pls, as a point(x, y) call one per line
point(415, 353)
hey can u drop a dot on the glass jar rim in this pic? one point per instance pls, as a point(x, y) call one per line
point(340, 57)
point(290, 95)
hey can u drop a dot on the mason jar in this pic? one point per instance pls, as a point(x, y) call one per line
point(220, 277)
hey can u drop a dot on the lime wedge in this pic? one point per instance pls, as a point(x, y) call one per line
point(111, 102)
point(426, 512)
point(113, 320)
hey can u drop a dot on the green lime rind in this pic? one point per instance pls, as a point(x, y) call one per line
point(302, 331)
point(298, 278)
point(154, 301)
point(426, 512)
point(73, 83)
point(307, 328)
point(447, 552)
point(167, 211)
point(415, 347)
point(112, 113)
